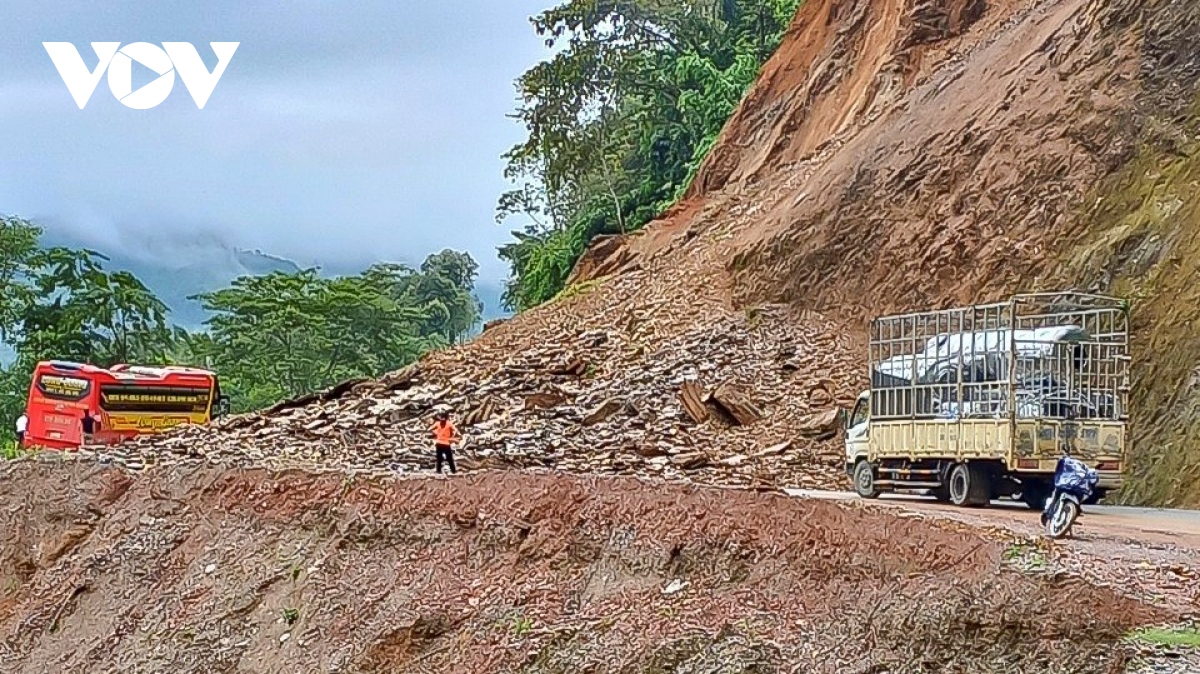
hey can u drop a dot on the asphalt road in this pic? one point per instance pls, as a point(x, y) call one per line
point(1152, 525)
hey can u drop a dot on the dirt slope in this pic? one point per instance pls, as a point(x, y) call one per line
point(203, 570)
point(894, 155)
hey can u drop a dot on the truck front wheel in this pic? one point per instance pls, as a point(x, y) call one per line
point(864, 479)
point(969, 485)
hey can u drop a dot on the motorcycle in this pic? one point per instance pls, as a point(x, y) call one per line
point(1074, 483)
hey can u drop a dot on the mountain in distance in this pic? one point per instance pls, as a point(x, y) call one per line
point(178, 268)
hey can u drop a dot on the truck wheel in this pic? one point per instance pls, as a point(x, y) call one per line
point(864, 480)
point(1096, 497)
point(969, 485)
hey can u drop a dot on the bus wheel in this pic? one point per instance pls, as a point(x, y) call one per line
point(864, 480)
point(969, 485)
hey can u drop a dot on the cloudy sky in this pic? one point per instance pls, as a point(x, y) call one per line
point(341, 133)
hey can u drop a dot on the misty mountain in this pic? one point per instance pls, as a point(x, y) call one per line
point(178, 269)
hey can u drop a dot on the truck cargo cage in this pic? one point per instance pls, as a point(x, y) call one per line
point(1062, 356)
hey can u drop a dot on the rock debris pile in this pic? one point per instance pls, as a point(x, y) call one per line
point(748, 400)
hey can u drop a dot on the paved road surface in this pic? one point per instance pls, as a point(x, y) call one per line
point(1150, 525)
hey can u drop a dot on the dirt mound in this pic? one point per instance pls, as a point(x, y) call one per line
point(719, 401)
point(207, 570)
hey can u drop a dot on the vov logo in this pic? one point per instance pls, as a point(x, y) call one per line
point(171, 58)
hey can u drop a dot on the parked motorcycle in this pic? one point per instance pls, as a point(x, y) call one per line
point(1074, 483)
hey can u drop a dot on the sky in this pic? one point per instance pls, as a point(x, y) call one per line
point(340, 133)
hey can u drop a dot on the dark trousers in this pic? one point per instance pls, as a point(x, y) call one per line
point(445, 453)
point(20, 439)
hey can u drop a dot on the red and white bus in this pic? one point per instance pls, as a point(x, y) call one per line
point(123, 401)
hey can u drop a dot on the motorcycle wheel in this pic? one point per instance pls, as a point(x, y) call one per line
point(1062, 516)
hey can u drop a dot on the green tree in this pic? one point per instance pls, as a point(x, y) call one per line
point(284, 335)
point(82, 312)
point(620, 119)
point(18, 244)
point(445, 288)
point(59, 303)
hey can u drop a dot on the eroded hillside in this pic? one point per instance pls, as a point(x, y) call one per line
point(202, 570)
point(896, 155)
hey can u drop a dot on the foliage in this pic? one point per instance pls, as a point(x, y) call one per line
point(284, 335)
point(272, 337)
point(1171, 637)
point(18, 244)
point(78, 311)
point(620, 119)
point(10, 451)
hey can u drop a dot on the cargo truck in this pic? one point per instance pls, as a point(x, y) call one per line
point(977, 403)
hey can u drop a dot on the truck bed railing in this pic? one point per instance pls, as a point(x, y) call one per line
point(1050, 355)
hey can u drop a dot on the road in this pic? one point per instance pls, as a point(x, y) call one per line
point(1148, 525)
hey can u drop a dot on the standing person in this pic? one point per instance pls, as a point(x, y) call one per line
point(444, 435)
point(22, 426)
point(89, 427)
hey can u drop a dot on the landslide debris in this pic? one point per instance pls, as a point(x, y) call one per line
point(208, 570)
point(894, 155)
point(719, 402)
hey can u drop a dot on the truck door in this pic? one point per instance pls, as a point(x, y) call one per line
point(858, 429)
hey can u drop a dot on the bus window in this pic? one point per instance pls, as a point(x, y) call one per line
point(59, 387)
point(161, 399)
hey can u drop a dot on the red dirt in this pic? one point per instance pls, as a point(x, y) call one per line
point(200, 570)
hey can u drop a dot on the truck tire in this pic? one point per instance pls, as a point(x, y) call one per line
point(969, 485)
point(864, 480)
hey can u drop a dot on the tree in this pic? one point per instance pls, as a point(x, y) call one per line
point(82, 312)
point(620, 119)
point(18, 243)
point(59, 303)
point(445, 287)
point(284, 335)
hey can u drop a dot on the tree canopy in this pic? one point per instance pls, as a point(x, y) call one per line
point(620, 119)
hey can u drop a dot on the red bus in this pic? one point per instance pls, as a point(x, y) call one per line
point(123, 401)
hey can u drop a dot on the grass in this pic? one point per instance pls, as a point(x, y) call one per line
point(1168, 636)
point(9, 451)
point(517, 624)
point(1026, 557)
point(578, 289)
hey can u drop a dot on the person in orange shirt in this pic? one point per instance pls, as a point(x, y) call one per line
point(444, 435)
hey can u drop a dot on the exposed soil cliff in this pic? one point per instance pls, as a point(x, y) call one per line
point(210, 571)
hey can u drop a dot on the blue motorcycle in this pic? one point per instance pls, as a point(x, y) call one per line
point(1074, 483)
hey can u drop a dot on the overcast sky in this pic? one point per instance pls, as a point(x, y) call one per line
point(341, 132)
